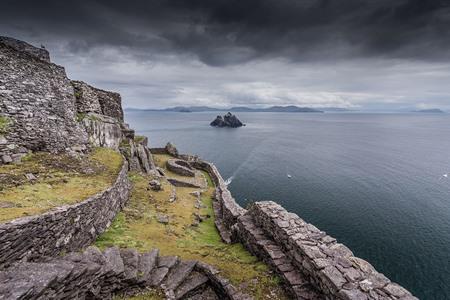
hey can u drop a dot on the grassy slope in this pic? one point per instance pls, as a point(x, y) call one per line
point(137, 227)
point(61, 180)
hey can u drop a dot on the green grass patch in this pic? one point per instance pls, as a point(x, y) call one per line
point(81, 116)
point(139, 138)
point(5, 122)
point(60, 179)
point(137, 227)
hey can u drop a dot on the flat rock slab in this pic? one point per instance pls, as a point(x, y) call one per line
point(192, 283)
point(180, 167)
point(184, 183)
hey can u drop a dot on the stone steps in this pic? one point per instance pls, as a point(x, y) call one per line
point(224, 233)
point(178, 274)
point(193, 283)
point(266, 249)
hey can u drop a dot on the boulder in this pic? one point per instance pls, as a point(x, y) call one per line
point(163, 219)
point(228, 120)
point(171, 149)
point(155, 185)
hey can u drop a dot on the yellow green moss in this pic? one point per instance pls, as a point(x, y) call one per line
point(60, 180)
point(4, 124)
point(150, 294)
point(137, 226)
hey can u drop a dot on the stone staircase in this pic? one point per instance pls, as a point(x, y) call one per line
point(225, 234)
point(99, 275)
point(259, 244)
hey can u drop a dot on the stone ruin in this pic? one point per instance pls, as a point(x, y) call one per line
point(42, 110)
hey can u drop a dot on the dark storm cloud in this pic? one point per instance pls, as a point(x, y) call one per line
point(227, 32)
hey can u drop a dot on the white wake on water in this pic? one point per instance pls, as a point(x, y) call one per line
point(229, 180)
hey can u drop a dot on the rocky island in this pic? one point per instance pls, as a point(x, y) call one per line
point(228, 120)
point(89, 211)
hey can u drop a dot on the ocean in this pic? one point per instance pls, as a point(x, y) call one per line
point(376, 182)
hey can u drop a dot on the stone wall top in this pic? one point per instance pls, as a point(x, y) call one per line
point(93, 100)
point(24, 47)
point(330, 266)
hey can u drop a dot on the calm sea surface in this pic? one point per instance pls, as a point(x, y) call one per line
point(373, 181)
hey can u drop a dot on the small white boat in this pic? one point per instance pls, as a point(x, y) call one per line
point(289, 176)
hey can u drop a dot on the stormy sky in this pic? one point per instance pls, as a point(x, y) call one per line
point(361, 54)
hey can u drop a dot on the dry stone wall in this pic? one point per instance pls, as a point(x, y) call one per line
point(226, 209)
point(67, 228)
point(94, 100)
point(37, 103)
point(24, 47)
point(99, 275)
point(312, 264)
point(326, 264)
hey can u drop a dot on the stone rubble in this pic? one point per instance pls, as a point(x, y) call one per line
point(173, 195)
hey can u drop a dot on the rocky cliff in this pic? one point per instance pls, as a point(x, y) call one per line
point(41, 109)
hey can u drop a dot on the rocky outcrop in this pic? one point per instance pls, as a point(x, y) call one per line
point(99, 275)
point(138, 155)
point(103, 131)
point(228, 120)
point(66, 228)
point(37, 102)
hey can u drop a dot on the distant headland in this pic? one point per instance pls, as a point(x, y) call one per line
point(290, 108)
point(430, 110)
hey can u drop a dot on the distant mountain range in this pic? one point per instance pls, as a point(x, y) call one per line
point(290, 108)
point(430, 110)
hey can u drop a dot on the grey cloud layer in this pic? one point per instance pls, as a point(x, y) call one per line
point(372, 53)
point(225, 32)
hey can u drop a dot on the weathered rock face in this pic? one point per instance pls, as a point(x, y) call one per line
point(91, 99)
point(37, 102)
point(103, 131)
point(228, 120)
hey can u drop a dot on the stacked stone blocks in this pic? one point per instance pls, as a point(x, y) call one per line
point(328, 265)
point(93, 274)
